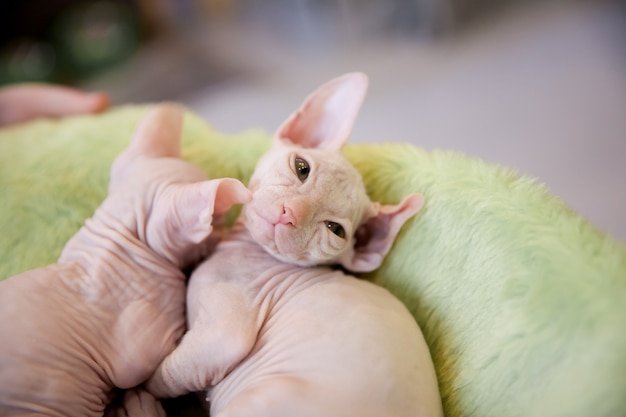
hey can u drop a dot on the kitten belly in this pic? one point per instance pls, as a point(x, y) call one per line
point(340, 348)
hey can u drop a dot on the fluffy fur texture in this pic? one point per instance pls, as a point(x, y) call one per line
point(520, 300)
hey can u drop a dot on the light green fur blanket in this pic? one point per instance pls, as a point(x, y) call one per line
point(522, 302)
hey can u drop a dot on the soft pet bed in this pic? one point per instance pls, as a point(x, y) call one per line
point(522, 302)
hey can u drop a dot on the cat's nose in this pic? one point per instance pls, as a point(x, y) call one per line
point(288, 217)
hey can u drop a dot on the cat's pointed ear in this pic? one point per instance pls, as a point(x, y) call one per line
point(184, 217)
point(326, 117)
point(191, 208)
point(159, 132)
point(375, 236)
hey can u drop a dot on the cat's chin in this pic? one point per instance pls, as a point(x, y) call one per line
point(267, 239)
point(265, 235)
point(287, 258)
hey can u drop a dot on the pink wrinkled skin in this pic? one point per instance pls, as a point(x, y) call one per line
point(113, 306)
point(272, 335)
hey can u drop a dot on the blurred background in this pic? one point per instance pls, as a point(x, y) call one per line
point(539, 86)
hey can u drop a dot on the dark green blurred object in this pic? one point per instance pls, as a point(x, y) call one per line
point(66, 41)
point(27, 60)
point(92, 36)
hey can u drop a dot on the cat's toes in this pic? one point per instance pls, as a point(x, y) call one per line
point(137, 403)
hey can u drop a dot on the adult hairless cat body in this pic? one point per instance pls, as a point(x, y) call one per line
point(272, 331)
point(112, 307)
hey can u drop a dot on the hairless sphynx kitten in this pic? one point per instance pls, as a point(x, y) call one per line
point(273, 331)
point(113, 306)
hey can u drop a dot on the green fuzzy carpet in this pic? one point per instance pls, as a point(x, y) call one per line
point(522, 302)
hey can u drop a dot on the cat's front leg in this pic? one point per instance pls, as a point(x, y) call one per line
point(201, 360)
point(221, 336)
point(183, 218)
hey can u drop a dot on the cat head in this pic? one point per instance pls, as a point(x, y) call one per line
point(167, 203)
point(309, 204)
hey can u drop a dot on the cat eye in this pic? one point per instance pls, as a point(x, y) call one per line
point(302, 169)
point(336, 229)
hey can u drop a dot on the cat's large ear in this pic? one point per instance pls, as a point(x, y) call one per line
point(184, 216)
point(158, 134)
point(375, 236)
point(326, 117)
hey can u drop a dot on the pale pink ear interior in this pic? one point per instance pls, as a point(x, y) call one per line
point(375, 236)
point(185, 216)
point(195, 205)
point(326, 117)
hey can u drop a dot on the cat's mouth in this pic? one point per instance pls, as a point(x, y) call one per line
point(275, 236)
point(286, 244)
point(262, 230)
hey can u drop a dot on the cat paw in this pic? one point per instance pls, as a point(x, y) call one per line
point(137, 403)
